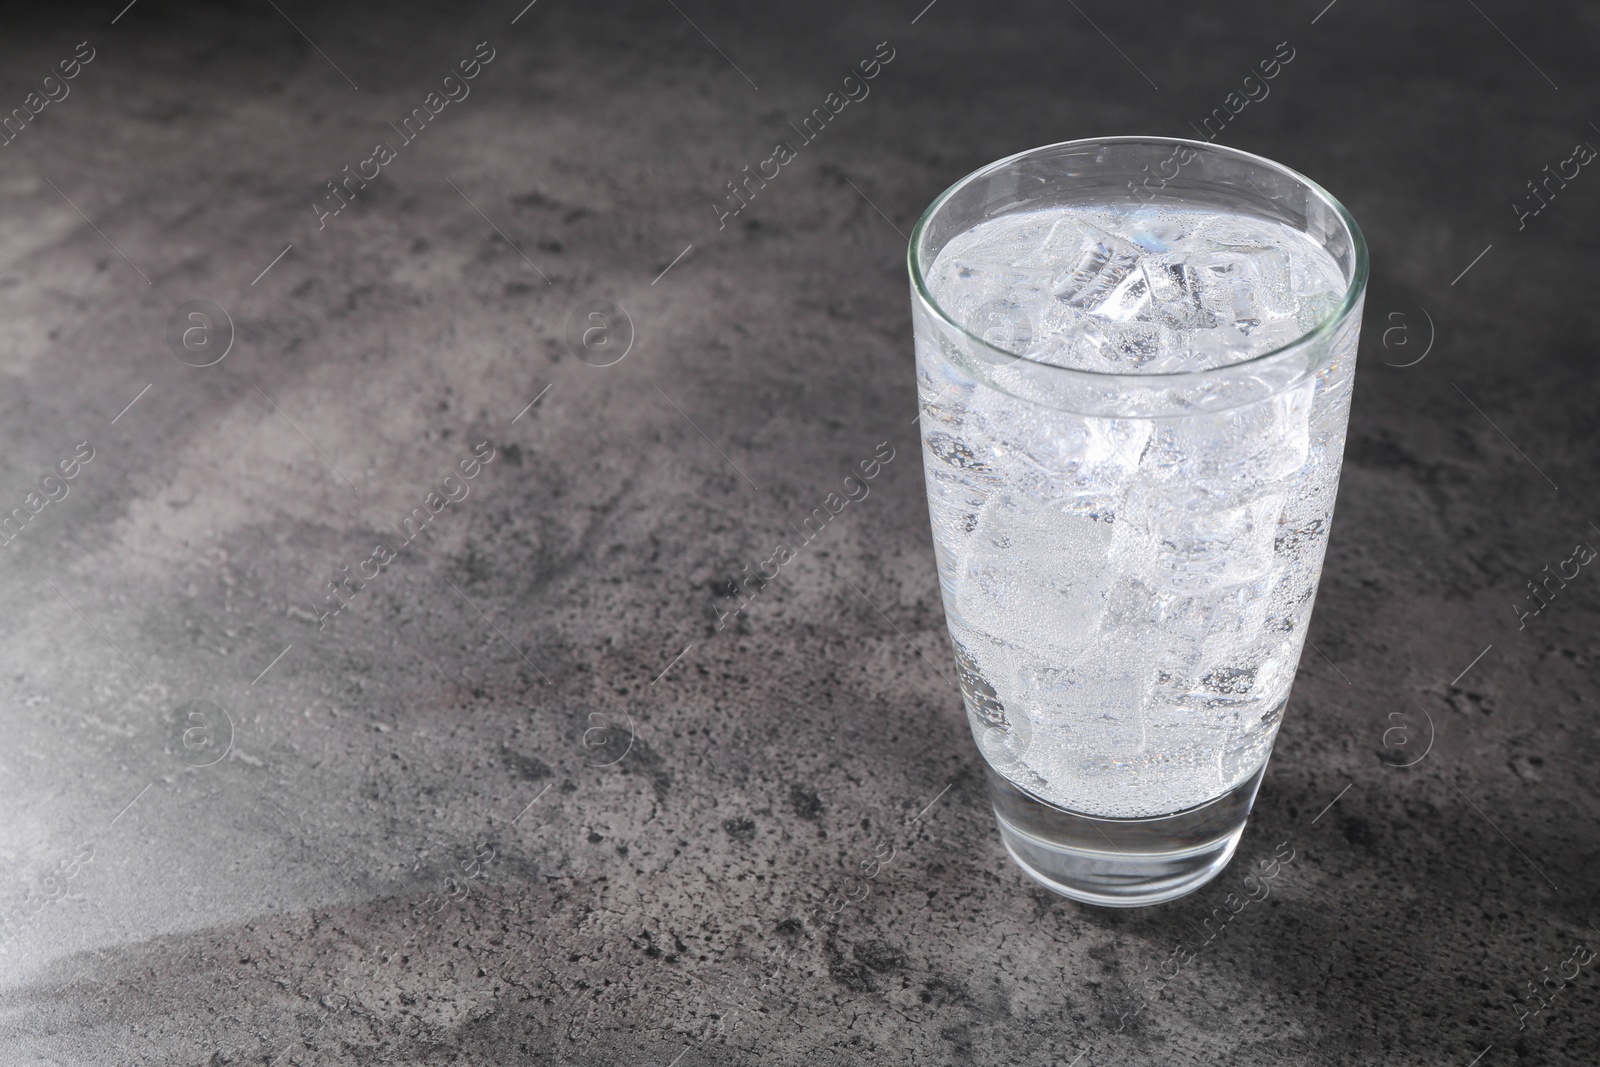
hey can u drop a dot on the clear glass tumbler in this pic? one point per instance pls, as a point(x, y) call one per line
point(1129, 550)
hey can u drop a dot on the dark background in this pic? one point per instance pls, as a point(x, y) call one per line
point(522, 802)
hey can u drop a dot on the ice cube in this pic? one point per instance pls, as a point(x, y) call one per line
point(1274, 289)
point(1239, 759)
point(1153, 230)
point(1109, 462)
point(942, 393)
point(1176, 639)
point(1002, 748)
point(1128, 346)
point(1242, 692)
point(1031, 575)
point(954, 509)
point(1176, 285)
point(1302, 529)
point(1114, 347)
point(983, 703)
point(1094, 716)
point(1222, 231)
point(1239, 287)
point(1224, 619)
point(1006, 324)
point(1230, 457)
point(972, 452)
point(1004, 736)
point(1142, 609)
point(1225, 288)
point(977, 280)
point(998, 420)
point(1075, 464)
point(1255, 282)
point(1193, 549)
point(1128, 300)
point(1091, 267)
point(1229, 681)
point(1061, 244)
point(1271, 334)
point(1312, 308)
point(978, 292)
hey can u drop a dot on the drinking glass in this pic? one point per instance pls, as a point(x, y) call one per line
point(1128, 559)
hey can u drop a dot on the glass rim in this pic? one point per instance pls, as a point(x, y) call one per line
point(1354, 289)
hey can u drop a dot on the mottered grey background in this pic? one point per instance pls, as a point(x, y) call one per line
point(372, 691)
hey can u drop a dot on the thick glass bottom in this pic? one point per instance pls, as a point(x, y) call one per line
point(1121, 863)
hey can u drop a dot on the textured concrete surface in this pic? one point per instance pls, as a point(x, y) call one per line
point(521, 801)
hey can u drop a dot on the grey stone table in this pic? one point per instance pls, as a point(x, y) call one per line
point(368, 696)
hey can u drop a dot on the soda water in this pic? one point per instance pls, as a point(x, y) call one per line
point(1128, 597)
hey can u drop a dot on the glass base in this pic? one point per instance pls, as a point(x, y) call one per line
point(1121, 863)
